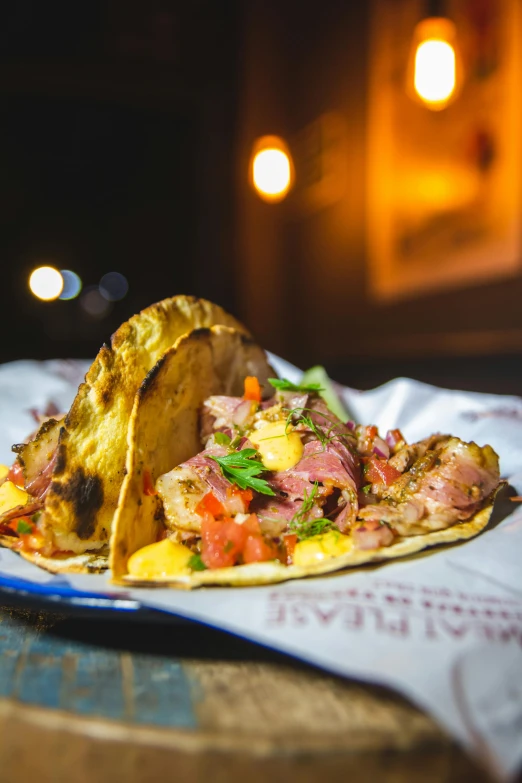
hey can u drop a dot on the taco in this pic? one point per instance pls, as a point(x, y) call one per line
point(266, 484)
point(58, 500)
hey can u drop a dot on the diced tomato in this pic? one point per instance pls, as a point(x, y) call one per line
point(246, 496)
point(23, 523)
point(290, 540)
point(257, 550)
point(252, 389)
point(221, 542)
point(379, 471)
point(16, 474)
point(395, 440)
point(226, 543)
point(32, 541)
point(251, 525)
point(372, 432)
point(148, 485)
point(211, 505)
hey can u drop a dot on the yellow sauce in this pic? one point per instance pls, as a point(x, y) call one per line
point(279, 447)
point(11, 496)
point(314, 550)
point(4, 470)
point(164, 558)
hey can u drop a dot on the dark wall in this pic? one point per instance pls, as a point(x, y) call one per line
point(117, 124)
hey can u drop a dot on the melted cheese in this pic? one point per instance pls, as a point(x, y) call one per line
point(279, 447)
point(11, 496)
point(318, 548)
point(164, 558)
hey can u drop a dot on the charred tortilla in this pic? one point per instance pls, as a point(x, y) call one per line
point(163, 429)
point(90, 444)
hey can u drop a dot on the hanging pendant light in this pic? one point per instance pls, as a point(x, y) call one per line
point(434, 76)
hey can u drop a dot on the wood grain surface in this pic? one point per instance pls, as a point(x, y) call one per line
point(85, 700)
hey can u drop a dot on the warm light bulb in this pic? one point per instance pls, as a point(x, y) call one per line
point(434, 71)
point(271, 169)
point(46, 283)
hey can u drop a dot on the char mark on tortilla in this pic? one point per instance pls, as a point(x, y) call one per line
point(150, 379)
point(85, 494)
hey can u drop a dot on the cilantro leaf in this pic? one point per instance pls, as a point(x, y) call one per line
point(282, 384)
point(24, 527)
point(242, 468)
point(196, 563)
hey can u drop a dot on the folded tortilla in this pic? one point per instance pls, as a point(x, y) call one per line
point(91, 441)
point(164, 433)
point(164, 425)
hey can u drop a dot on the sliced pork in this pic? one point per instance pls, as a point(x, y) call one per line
point(448, 484)
point(403, 490)
point(38, 458)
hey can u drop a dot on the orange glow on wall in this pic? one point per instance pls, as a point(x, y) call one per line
point(271, 169)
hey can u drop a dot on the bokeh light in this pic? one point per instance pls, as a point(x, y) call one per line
point(271, 172)
point(46, 283)
point(72, 284)
point(271, 168)
point(114, 286)
point(435, 77)
point(94, 303)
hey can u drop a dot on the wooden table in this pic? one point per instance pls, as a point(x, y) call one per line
point(87, 700)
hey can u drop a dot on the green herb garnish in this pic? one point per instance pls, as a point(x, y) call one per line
point(242, 468)
point(222, 439)
point(196, 563)
point(24, 527)
point(282, 384)
point(328, 392)
point(303, 417)
point(306, 528)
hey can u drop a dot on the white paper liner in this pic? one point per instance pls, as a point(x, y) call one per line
point(443, 627)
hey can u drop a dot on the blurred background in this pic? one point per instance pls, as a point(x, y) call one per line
point(344, 177)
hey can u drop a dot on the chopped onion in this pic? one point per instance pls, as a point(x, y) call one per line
point(351, 425)
point(242, 413)
point(393, 437)
point(380, 448)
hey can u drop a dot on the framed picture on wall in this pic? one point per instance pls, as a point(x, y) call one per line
point(444, 181)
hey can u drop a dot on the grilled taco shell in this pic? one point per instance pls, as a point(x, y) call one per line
point(89, 463)
point(164, 430)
